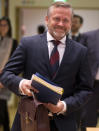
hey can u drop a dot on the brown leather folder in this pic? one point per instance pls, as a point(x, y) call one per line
point(34, 116)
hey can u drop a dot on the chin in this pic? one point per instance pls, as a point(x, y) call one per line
point(58, 34)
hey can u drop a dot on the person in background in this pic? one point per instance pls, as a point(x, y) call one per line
point(7, 46)
point(40, 29)
point(89, 114)
point(77, 23)
point(69, 69)
point(23, 30)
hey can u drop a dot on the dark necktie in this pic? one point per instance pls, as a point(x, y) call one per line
point(54, 58)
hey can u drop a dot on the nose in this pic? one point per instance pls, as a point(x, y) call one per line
point(61, 23)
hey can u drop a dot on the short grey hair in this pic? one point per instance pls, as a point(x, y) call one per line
point(59, 4)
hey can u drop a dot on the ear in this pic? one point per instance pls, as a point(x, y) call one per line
point(70, 25)
point(81, 25)
point(46, 20)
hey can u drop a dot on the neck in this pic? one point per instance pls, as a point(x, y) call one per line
point(74, 33)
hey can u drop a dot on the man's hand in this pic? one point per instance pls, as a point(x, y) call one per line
point(26, 87)
point(55, 108)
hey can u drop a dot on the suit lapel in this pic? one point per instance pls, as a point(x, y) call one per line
point(66, 55)
point(45, 52)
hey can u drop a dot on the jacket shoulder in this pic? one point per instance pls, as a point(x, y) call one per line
point(77, 45)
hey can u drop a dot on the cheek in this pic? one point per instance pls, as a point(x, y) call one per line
point(52, 24)
point(6, 30)
point(69, 25)
point(3, 29)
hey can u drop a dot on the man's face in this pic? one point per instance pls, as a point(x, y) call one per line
point(76, 25)
point(59, 22)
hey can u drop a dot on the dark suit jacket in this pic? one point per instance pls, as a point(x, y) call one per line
point(73, 75)
point(78, 38)
point(91, 41)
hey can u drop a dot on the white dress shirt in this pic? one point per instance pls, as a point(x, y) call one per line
point(61, 46)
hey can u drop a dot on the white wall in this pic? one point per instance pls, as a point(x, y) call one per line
point(31, 18)
point(91, 19)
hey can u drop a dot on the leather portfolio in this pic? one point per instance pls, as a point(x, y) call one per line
point(34, 116)
point(49, 92)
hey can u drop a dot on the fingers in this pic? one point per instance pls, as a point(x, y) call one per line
point(26, 91)
point(34, 90)
point(54, 108)
point(26, 87)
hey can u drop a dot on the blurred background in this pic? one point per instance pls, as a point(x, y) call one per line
point(25, 14)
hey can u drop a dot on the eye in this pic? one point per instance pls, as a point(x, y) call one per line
point(56, 19)
point(65, 21)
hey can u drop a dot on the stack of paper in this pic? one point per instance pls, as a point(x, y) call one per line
point(49, 92)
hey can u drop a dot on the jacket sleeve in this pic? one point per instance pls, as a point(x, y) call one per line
point(84, 85)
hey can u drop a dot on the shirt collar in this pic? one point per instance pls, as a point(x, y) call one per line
point(50, 37)
point(76, 35)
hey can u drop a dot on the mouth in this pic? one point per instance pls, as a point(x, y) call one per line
point(60, 30)
point(59, 33)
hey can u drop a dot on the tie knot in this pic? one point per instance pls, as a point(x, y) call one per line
point(56, 42)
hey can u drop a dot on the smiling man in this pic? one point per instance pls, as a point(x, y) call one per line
point(59, 59)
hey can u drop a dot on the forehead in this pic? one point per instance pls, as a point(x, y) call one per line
point(60, 11)
point(76, 19)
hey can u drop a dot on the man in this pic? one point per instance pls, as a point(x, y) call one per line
point(89, 116)
point(77, 23)
point(33, 55)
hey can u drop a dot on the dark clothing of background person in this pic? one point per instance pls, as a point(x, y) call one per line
point(89, 115)
point(77, 22)
point(4, 118)
point(4, 92)
point(80, 39)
